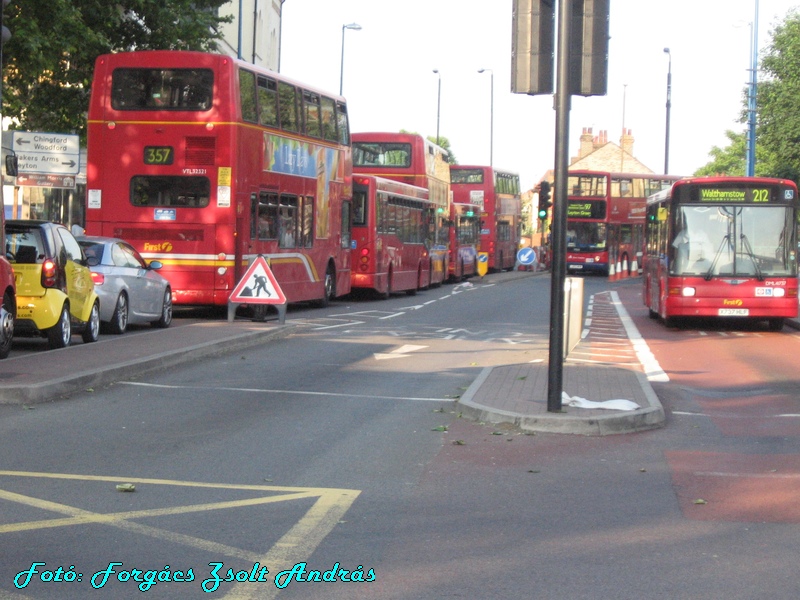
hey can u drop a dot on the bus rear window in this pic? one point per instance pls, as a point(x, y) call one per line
point(170, 190)
point(162, 89)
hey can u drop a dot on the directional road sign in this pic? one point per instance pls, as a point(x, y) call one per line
point(47, 153)
point(526, 256)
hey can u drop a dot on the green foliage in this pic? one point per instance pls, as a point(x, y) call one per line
point(729, 160)
point(49, 60)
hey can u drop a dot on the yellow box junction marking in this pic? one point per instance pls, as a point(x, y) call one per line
point(296, 545)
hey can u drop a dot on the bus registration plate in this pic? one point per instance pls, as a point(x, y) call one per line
point(733, 312)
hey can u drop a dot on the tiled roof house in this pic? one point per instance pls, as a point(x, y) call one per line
point(596, 153)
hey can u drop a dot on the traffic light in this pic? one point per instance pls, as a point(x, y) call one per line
point(544, 199)
point(532, 46)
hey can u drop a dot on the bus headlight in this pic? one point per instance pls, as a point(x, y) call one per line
point(688, 291)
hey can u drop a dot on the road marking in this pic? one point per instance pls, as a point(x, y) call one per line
point(296, 545)
point(401, 352)
point(649, 362)
point(274, 391)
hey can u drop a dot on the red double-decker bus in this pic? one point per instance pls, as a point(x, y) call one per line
point(605, 219)
point(410, 158)
point(391, 228)
point(497, 193)
point(465, 239)
point(205, 162)
point(723, 247)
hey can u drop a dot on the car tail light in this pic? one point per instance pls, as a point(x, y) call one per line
point(49, 273)
point(98, 278)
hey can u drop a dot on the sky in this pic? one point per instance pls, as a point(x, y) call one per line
point(390, 85)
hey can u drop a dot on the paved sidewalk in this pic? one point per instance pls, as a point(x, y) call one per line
point(517, 394)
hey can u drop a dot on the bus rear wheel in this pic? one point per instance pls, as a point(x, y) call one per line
point(328, 288)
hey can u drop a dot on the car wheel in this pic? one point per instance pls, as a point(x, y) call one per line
point(60, 334)
point(6, 325)
point(166, 311)
point(91, 333)
point(119, 320)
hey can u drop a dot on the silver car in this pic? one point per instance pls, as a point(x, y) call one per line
point(131, 291)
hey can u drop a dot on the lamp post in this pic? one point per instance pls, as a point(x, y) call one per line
point(438, 105)
point(356, 27)
point(669, 104)
point(491, 117)
point(280, 35)
point(751, 99)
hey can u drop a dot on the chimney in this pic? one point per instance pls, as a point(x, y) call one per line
point(626, 141)
point(586, 142)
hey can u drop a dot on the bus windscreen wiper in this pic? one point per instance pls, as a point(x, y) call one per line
point(713, 266)
point(749, 250)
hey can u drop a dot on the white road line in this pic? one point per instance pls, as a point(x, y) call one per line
point(650, 365)
point(272, 391)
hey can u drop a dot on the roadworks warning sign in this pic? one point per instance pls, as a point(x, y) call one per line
point(258, 286)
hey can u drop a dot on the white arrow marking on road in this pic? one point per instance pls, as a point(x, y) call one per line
point(399, 353)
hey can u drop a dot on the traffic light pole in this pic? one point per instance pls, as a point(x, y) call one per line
point(555, 375)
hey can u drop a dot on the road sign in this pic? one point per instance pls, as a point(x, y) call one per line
point(48, 153)
point(483, 263)
point(258, 286)
point(526, 256)
point(41, 180)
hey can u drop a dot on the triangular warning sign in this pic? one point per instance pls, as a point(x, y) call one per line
point(258, 286)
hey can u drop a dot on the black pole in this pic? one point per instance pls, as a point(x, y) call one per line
point(669, 105)
point(555, 378)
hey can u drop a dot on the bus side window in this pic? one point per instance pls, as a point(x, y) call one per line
point(247, 93)
point(328, 120)
point(346, 224)
point(287, 98)
point(311, 113)
point(288, 222)
point(267, 102)
point(307, 221)
point(343, 125)
point(268, 217)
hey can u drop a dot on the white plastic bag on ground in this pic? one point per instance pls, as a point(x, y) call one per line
point(578, 402)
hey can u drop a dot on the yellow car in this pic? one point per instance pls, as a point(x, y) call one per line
point(55, 291)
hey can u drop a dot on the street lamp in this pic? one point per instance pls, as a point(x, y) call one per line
point(669, 104)
point(438, 105)
point(750, 163)
point(491, 117)
point(356, 27)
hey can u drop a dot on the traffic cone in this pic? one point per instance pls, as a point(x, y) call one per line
point(634, 268)
point(624, 272)
point(612, 275)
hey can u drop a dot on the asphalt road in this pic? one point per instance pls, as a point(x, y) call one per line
point(343, 444)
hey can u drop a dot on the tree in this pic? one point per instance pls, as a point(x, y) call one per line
point(49, 60)
point(729, 160)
